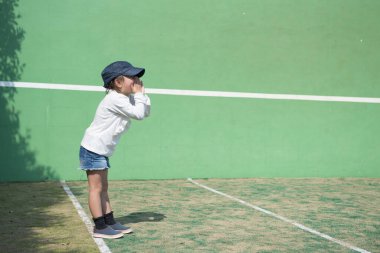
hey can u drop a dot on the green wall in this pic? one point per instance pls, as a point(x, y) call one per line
point(283, 46)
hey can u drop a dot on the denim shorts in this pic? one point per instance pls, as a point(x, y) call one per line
point(92, 161)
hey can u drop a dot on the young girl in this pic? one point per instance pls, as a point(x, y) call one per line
point(125, 100)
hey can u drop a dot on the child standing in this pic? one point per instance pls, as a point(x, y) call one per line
point(125, 100)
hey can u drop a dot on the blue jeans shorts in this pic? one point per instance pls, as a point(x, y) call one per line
point(92, 161)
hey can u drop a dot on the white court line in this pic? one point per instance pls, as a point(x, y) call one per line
point(294, 223)
point(198, 93)
point(103, 248)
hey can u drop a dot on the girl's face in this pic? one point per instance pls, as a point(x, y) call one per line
point(126, 86)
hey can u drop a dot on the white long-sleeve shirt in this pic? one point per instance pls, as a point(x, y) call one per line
point(112, 118)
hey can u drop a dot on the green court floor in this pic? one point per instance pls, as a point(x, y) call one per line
point(178, 216)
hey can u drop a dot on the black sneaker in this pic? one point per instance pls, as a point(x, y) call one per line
point(120, 228)
point(107, 232)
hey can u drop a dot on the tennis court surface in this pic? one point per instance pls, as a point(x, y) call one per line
point(214, 215)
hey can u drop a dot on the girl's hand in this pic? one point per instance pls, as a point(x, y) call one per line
point(137, 88)
point(137, 85)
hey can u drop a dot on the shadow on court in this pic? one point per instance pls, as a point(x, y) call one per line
point(38, 217)
point(17, 159)
point(138, 217)
point(31, 213)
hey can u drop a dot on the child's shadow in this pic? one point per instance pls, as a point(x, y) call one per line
point(141, 217)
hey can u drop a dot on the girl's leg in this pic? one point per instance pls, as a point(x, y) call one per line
point(95, 189)
point(107, 209)
point(106, 205)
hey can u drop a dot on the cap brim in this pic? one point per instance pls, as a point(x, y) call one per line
point(139, 72)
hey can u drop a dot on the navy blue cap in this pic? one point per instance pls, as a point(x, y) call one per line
point(120, 68)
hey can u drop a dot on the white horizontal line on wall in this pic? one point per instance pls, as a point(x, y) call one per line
point(198, 93)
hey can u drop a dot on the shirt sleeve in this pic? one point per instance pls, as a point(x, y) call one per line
point(147, 107)
point(132, 106)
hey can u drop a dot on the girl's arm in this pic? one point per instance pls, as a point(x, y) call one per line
point(147, 107)
point(132, 106)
